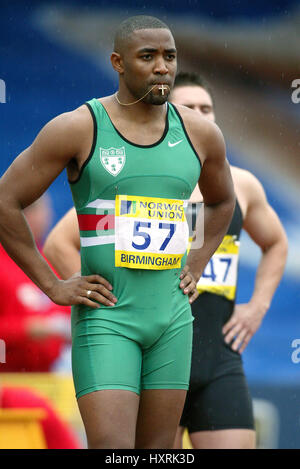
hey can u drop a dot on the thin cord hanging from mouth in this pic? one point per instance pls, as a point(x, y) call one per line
point(130, 104)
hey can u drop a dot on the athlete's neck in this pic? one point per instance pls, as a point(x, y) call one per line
point(142, 113)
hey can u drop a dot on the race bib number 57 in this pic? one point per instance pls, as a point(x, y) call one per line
point(150, 232)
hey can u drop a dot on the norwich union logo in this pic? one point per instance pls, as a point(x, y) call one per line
point(113, 159)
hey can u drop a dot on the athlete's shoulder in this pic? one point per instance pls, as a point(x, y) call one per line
point(205, 135)
point(106, 100)
point(65, 134)
point(80, 116)
point(247, 184)
point(195, 121)
point(71, 122)
point(245, 177)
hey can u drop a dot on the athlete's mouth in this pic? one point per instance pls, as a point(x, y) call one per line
point(163, 88)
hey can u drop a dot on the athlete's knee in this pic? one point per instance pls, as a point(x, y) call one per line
point(163, 440)
point(177, 444)
point(110, 442)
point(110, 438)
point(250, 440)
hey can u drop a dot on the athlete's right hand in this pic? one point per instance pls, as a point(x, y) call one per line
point(91, 291)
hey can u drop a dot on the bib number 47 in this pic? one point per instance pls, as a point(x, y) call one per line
point(138, 225)
point(209, 271)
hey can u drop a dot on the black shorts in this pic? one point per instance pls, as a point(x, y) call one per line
point(218, 397)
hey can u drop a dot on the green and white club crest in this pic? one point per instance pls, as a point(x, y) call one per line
point(113, 159)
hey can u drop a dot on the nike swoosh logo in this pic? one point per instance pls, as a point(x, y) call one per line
point(173, 144)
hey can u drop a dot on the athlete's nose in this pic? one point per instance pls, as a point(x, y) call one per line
point(160, 67)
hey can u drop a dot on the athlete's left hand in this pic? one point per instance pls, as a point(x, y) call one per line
point(244, 322)
point(188, 284)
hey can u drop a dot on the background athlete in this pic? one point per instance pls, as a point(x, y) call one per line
point(222, 329)
point(218, 409)
point(131, 352)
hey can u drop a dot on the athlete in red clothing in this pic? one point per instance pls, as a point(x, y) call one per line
point(33, 328)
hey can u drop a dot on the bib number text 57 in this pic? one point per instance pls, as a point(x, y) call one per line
point(138, 225)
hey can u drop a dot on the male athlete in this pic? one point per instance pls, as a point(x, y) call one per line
point(213, 417)
point(132, 162)
point(218, 408)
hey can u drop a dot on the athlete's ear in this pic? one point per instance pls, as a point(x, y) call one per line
point(117, 62)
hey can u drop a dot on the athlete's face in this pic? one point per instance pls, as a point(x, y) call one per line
point(150, 59)
point(194, 97)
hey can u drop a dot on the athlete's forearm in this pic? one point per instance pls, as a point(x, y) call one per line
point(17, 240)
point(268, 275)
point(62, 246)
point(64, 257)
point(216, 221)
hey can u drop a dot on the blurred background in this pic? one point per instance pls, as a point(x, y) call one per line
point(55, 55)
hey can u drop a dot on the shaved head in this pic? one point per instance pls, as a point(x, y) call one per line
point(132, 24)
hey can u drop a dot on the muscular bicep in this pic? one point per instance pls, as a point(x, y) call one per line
point(261, 221)
point(35, 168)
point(215, 181)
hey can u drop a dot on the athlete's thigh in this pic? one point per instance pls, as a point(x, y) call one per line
point(102, 358)
point(220, 415)
point(224, 404)
point(167, 363)
point(109, 417)
point(237, 438)
point(165, 380)
point(158, 417)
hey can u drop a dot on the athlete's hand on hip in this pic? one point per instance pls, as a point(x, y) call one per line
point(91, 291)
point(188, 284)
point(244, 322)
